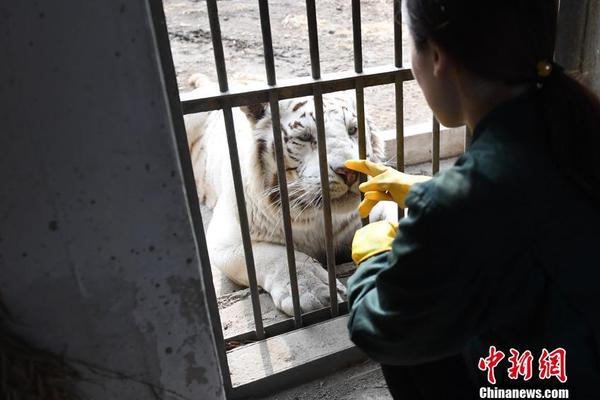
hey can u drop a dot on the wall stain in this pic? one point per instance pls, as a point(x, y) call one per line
point(193, 372)
point(188, 290)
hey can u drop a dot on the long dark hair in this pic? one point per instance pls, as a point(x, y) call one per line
point(504, 41)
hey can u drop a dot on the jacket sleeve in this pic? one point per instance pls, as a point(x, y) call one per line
point(427, 297)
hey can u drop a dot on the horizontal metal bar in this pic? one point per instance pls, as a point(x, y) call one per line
point(287, 325)
point(330, 357)
point(299, 87)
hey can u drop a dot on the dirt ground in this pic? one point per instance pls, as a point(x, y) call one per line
point(191, 44)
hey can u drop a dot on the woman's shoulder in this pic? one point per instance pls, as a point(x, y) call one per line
point(481, 179)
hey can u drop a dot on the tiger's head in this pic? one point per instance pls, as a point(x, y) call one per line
point(301, 156)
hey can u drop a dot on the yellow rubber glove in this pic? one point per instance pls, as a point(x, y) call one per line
point(373, 239)
point(387, 184)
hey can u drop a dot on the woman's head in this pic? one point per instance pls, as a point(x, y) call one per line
point(499, 44)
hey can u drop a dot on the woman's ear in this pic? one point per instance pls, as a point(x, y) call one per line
point(439, 60)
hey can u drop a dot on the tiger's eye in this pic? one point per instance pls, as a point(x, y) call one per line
point(306, 137)
point(352, 130)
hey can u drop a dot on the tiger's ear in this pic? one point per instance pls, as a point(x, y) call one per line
point(255, 112)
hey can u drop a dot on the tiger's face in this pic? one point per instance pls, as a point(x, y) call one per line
point(301, 155)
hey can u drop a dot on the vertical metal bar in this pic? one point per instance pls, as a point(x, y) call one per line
point(213, 18)
point(185, 163)
point(322, 148)
point(435, 149)
point(360, 90)
point(362, 139)
point(215, 31)
point(357, 35)
point(399, 90)
point(265, 24)
point(398, 33)
point(313, 39)
point(324, 170)
point(243, 215)
point(468, 137)
point(285, 208)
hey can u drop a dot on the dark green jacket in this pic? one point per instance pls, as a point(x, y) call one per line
point(498, 250)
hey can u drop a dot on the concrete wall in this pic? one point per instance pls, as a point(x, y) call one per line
point(578, 47)
point(97, 250)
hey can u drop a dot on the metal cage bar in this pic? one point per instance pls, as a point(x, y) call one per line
point(311, 13)
point(281, 177)
point(360, 90)
point(435, 150)
point(299, 87)
point(265, 25)
point(185, 163)
point(468, 137)
point(215, 29)
point(399, 92)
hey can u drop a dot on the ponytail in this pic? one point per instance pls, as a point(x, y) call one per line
point(572, 115)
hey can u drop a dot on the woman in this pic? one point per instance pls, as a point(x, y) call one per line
point(503, 248)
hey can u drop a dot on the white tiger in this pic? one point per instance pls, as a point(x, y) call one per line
point(210, 158)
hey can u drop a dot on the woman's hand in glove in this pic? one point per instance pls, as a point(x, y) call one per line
point(373, 239)
point(387, 184)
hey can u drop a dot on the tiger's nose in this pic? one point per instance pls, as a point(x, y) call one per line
point(347, 175)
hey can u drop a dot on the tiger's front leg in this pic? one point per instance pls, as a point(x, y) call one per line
point(270, 260)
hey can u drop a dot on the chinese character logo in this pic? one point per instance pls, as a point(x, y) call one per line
point(550, 364)
point(520, 365)
point(553, 364)
point(490, 362)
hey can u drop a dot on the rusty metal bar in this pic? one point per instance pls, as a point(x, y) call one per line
point(435, 149)
point(299, 87)
point(235, 165)
point(311, 14)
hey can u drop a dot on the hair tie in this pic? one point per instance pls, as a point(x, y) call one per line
point(545, 69)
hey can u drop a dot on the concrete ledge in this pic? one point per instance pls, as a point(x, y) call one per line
point(418, 142)
point(292, 358)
